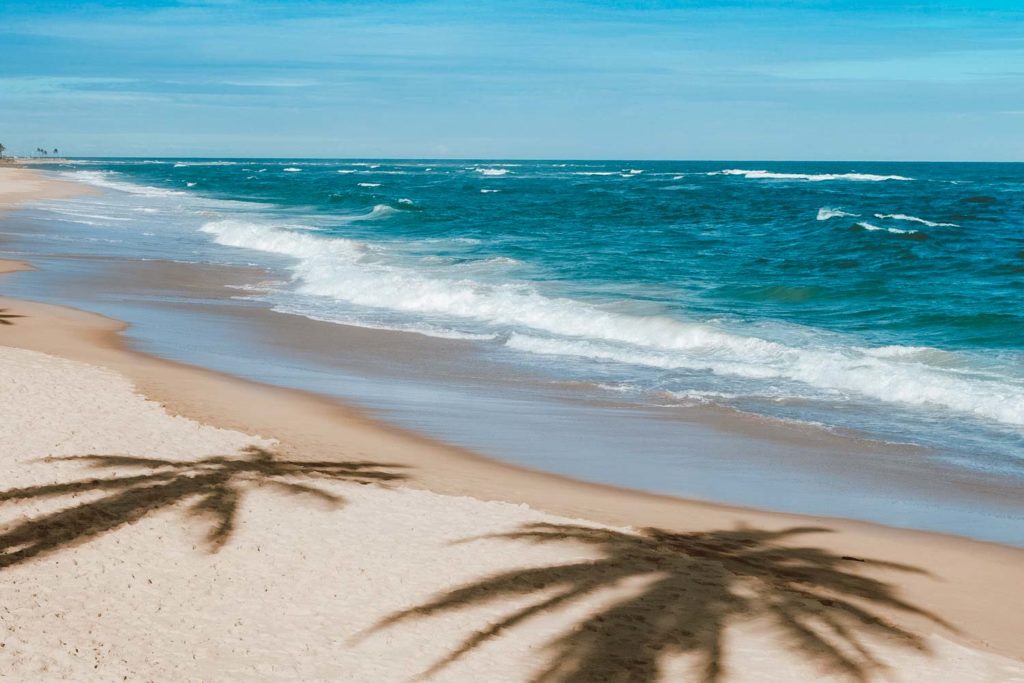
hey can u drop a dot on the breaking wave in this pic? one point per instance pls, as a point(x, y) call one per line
point(359, 274)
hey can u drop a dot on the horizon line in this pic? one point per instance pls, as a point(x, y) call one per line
point(526, 159)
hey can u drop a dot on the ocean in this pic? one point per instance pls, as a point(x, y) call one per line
point(884, 301)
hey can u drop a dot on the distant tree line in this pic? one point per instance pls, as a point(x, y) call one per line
point(39, 151)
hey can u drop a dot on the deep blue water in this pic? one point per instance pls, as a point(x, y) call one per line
point(886, 298)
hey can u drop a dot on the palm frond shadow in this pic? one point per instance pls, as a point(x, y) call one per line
point(5, 318)
point(215, 485)
point(697, 585)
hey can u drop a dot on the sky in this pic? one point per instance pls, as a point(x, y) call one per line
point(704, 79)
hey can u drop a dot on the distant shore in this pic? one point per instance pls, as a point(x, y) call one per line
point(392, 550)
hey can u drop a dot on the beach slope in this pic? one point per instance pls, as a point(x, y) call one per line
point(162, 522)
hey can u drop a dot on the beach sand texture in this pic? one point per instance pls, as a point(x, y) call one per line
point(298, 540)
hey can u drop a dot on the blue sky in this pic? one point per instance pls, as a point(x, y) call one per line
point(759, 79)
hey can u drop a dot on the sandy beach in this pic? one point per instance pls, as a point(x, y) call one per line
point(164, 522)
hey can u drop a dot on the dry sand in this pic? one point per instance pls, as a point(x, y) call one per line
point(299, 540)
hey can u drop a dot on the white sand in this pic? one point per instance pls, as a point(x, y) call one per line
point(294, 592)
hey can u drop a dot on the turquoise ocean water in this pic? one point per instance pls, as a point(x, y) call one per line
point(886, 299)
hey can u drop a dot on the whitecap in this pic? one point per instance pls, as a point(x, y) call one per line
point(369, 184)
point(291, 169)
point(897, 231)
point(492, 171)
point(914, 219)
point(826, 213)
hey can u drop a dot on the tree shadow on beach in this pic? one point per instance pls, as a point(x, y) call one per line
point(822, 606)
point(5, 318)
point(215, 486)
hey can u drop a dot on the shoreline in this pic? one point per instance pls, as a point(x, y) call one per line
point(971, 578)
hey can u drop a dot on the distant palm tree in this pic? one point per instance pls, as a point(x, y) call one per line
point(2, 148)
point(55, 152)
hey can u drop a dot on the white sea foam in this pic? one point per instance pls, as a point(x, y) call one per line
point(63, 210)
point(190, 184)
point(810, 177)
point(347, 170)
point(914, 219)
point(595, 172)
point(485, 191)
point(406, 201)
point(358, 274)
point(425, 330)
point(369, 184)
point(291, 169)
point(492, 171)
point(826, 213)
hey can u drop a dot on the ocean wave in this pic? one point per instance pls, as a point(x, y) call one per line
point(595, 173)
point(914, 219)
point(369, 184)
point(896, 231)
point(485, 191)
point(291, 169)
point(810, 177)
point(104, 179)
point(378, 211)
point(837, 370)
point(342, 270)
point(826, 213)
point(492, 171)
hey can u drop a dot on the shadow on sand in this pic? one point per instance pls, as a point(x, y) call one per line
point(695, 585)
point(215, 484)
point(5, 318)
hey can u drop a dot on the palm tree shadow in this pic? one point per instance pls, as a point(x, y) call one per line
point(215, 486)
point(697, 585)
point(5, 318)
